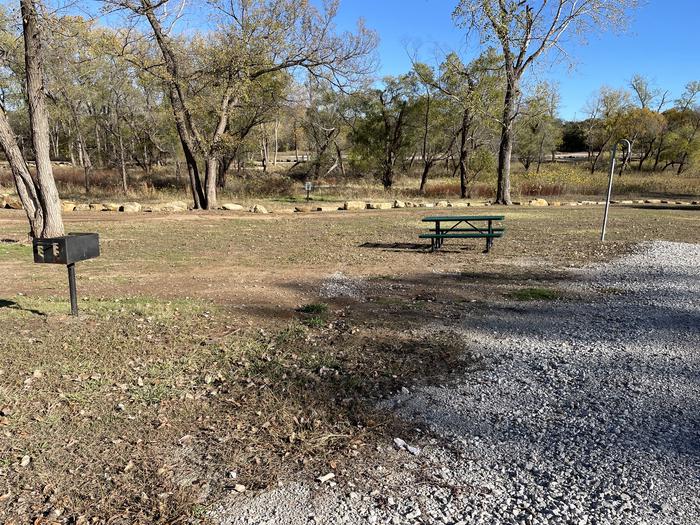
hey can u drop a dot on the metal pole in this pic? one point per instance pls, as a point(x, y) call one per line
point(73, 291)
point(610, 181)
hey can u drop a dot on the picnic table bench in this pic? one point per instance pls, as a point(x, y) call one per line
point(463, 227)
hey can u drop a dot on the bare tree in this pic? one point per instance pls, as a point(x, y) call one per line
point(525, 30)
point(254, 39)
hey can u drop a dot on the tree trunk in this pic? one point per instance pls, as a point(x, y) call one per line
point(122, 164)
point(274, 158)
point(424, 176)
point(340, 159)
point(21, 176)
point(87, 165)
point(505, 148)
point(463, 155)
point(39, 122)
point(212, 168)
point(183, 120)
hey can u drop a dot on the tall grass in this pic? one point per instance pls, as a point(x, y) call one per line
point(553, 180)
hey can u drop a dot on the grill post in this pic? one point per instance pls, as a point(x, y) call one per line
point(73, 290)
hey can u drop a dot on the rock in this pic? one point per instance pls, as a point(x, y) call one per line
point(354, 205)
point(258, 209)
point(652, 201)
point(426, 205)
point(110, 206)
point(302, 209)
point(82, 207)
point(67, 206)
point(232, 207)
point(461, 204)
point(325, 477)
point(413, 515)
point(130, 207)
point(96, 207)
point(26, 460)
point(174, 206)
point(399, 204)
point(239, 488)
point(13, 203)
point(413, 450)
point(538, 202)
point(442, 204)
point(555, 203)
point(378, 205)
point(326, 208)
point(400, 443)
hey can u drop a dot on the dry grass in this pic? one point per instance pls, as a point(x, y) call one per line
point(140, 412)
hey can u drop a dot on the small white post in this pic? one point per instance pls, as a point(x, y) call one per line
point(628, 144)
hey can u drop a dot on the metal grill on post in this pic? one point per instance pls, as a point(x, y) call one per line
point(68, 250)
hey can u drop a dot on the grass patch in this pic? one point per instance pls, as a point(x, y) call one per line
point(314, 309)
point(535, 294)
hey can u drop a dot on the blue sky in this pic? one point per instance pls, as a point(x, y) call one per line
point(661, 43)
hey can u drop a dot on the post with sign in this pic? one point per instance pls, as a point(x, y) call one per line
point(68, 250)
point(308, 187)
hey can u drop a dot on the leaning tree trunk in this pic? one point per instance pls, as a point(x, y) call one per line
point(21, 176)
point(505, 148)
point(39, 122)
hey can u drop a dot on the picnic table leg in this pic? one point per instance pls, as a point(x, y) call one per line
point(438, 231)
point(489, 240)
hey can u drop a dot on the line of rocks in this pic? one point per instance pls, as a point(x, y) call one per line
point(12, 202)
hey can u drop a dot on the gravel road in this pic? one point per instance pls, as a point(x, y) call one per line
point(585, 412)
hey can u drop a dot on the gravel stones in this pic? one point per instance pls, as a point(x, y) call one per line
point(582, 412)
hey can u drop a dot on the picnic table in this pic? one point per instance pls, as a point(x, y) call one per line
point(463, 227)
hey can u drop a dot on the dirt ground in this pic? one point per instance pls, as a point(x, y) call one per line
point(222, 350)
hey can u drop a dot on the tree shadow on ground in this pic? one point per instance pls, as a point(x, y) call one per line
point(4, 303)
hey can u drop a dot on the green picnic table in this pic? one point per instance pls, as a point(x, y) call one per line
point(463, 227)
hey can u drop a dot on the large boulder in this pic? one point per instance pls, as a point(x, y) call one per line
point(67, 206)
point(130, 207)
point(82, 207)
point(442, 204)
point(232, 207)
point(96, 206)
point(259, 208)
point(174, 206)
point(354, 205)
point(399, 204)
point(378, 205)
point(326, 208)
point(302, 209)
point(538, 202)
point(110, 206)
point(2, 200)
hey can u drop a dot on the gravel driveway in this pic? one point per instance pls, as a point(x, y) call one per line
point(586, 412)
